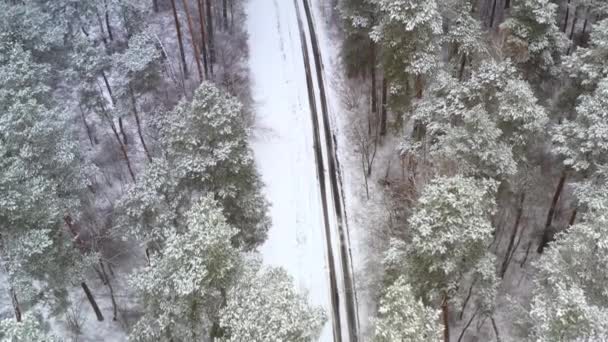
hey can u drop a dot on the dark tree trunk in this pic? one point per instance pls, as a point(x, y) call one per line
point(466, 300)
point(155, 5)
point(463, 64)
point(507, 259)
point(122, 132)
point(108, 283)
point(16, 307)
point(493, 14)
point(201, 19)
point(138, 122)
point(445, 314)
point(567, 17)
point(374, 93)
point(110, 35)
point(179, 38)
point(197, 55)
point(225, 14)
point(92, 301)
point(572, 217)
point(547, 235)
point(466, 327)
point(210, 34)
point(87, 127)
point(383, 109)
point(507, 4)
point(105, 81)
point(102, 30)
point(117, 136)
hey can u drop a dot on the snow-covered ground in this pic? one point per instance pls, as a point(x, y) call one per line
point(283, 146)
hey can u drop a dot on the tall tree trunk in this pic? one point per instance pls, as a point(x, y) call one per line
point(155, 5)
point(105, 81)
point(179, 38)
point(102, 29)
point(201, 20)
point(445, 314)
point(374, 91)
point(507, 259)
point(210, 34)
point(108, 283)
point(225, 14)
point(122, 131)
point(507, 4)
point(87, 127)
point(197, 55)
point(493, 14)
point(123, 149)
point(92, 301)
point(572, 30)
point(110, 35)
point(572, 218)
point(547, 236)
point(466, 327)
point(383, 108)
point(463, 64)
point(16, 307)
point(567, 17)
point(138, 121)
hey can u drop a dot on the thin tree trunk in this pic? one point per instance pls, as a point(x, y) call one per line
point(108, 283)
point(572, 30)
point(197, 55)
point(201, 19)
point(446, 318)
point(155, 5)
point(523, 262)
point(102, 29)
point(16, 307)
point(520, 209)
point(122, 132)
point(210, 35)
point(374, 94)
point(92, 301)
point(567, 17)
point(468, 325)
point(179, 38)
point(383, 109)
point(139, 130)
point(462, 67)
point(572, 218)
point(122, 146)
point(495, 328)
point(493, 14)
point(86, 126)
point(466, 301)
point(110, 35)
point(105, 81)
point(225, 14)
point(546, 237)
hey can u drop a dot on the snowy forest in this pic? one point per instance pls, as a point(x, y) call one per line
point(304, 170)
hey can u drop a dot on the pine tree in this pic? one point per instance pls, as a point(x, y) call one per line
point(206, 143)
point(26, 331)
point(263, 305)
point(182, 287)
point(403, 317)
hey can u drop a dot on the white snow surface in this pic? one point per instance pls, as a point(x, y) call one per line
point(283, 146)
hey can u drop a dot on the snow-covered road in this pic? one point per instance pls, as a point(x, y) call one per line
point(294, 154)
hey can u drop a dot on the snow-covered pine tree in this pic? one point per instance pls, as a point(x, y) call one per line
point(408, 32)
point(184, 286)
point(205, 142)
point(449, 232)
point(263, 305)
point(404, 317)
